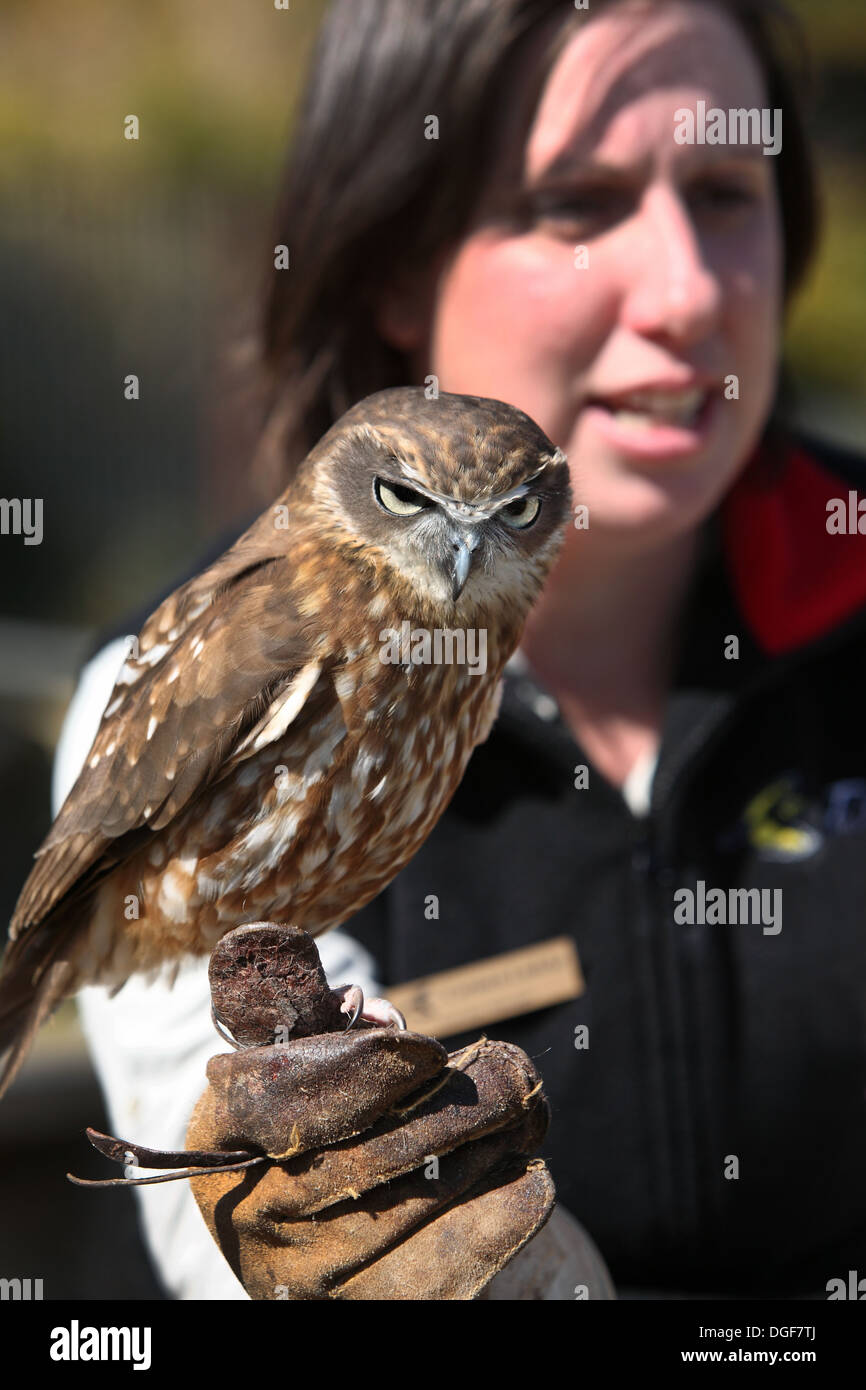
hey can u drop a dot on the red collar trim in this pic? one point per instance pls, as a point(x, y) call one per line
point(793, 579)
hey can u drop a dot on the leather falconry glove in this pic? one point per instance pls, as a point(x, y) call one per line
point(383, 1168)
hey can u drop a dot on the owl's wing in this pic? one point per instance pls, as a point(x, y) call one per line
point(211, 662)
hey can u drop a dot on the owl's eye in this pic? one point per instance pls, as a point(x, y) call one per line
point(522, 513)
point(399, 500)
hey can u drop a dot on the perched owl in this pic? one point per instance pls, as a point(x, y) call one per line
point(293, 721)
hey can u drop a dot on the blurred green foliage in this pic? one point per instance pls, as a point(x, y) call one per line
point(826, 340)
point(834, 28)
point(214, 83)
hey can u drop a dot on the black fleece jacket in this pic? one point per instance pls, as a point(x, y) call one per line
point(712, 1135)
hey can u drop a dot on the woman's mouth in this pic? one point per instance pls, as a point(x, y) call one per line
point(655, 423)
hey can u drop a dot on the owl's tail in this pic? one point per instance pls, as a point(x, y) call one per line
point(34, 978)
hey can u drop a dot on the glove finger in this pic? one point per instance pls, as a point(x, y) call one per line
point(304, 1259)
point(456, 1256)
point(495, 1087)
point(310, 1092)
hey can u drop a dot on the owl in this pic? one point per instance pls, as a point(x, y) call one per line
point(291, 723)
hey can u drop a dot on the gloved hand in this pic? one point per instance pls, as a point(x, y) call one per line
point(396, 1171)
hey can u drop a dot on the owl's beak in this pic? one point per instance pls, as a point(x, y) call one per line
point(463, 543)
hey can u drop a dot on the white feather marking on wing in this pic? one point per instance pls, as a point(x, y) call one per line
point(282, 711)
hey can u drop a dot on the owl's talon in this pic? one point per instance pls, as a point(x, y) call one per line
point(380, 1012)
point(223, 1030)
point(353, 1003)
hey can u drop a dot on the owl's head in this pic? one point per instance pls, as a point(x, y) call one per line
point(459, 497)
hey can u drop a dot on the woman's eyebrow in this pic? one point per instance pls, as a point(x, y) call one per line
point(570, 164)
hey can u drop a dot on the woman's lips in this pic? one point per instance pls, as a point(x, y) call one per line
point(655, 424)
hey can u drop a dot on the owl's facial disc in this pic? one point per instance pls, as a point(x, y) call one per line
point(439, 537)
point(446, 515)
point(460, 533)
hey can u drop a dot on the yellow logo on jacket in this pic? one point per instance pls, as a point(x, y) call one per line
point(781, 822)
point(774, 825)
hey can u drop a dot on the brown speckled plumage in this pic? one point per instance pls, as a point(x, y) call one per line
point(257, 759)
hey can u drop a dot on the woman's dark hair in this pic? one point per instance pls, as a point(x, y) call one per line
point(365, 195)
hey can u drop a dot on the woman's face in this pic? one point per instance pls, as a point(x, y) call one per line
point(622, 351)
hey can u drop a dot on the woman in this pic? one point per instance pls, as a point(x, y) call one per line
point(495, 196)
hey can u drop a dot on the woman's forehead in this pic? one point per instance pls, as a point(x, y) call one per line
point(615, 76)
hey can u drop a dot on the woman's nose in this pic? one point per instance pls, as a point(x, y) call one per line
point(671, 291)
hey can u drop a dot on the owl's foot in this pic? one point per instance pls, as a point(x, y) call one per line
point(381, 1012)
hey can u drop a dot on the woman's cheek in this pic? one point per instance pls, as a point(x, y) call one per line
point(558, 295)
point(508, 307)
